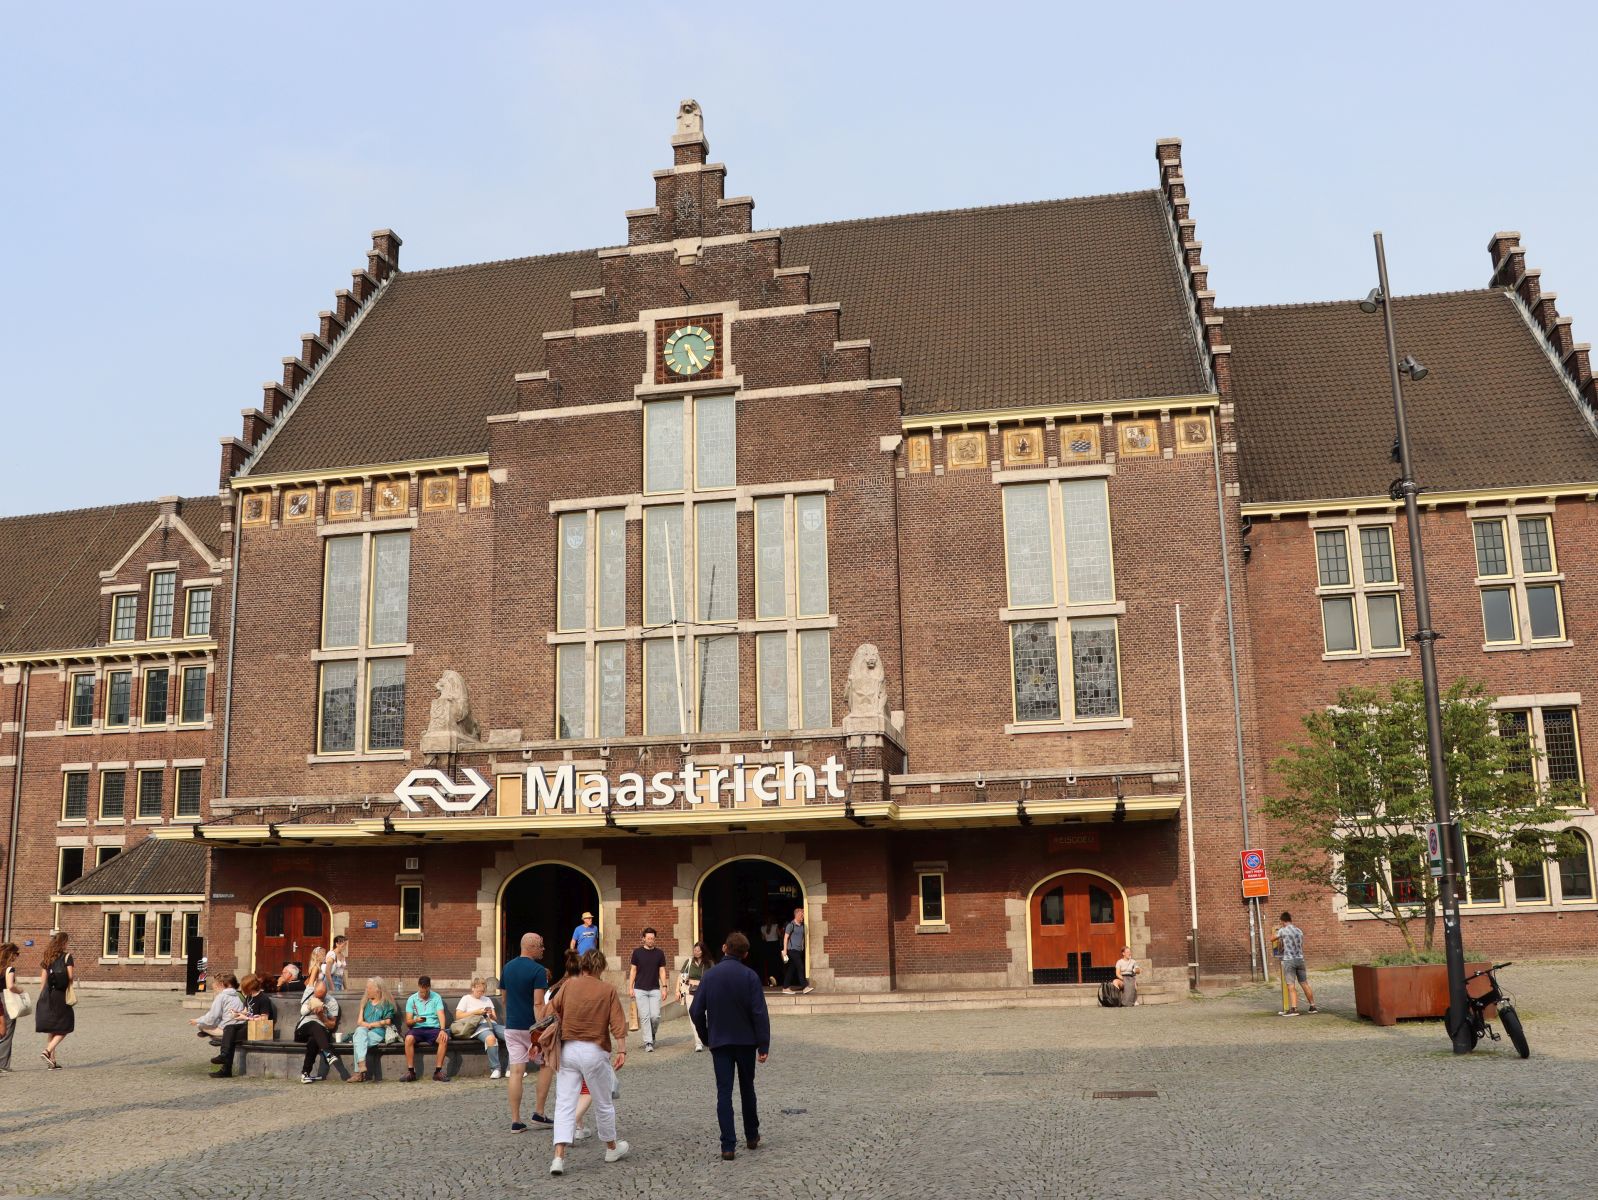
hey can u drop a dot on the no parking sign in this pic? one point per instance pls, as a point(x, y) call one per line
point(1256, 883)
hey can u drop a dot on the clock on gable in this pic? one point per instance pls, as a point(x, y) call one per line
point(689, 350)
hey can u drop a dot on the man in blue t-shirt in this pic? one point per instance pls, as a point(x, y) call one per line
point(586, 936)
point(524, 984)
point(424, 1023)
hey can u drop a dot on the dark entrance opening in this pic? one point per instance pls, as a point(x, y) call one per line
point(549, 898)
point(744, 895)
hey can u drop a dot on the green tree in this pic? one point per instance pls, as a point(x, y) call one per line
point(1356, 798)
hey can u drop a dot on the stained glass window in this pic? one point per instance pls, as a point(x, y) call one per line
point(663, 446)
point(810, 540)
point(716, 553)
point(610, 605)
point(1095, 673)
point(664, 678)
point(1088, 566)
point(572, 607)
point(341, 605)
point(611, 662)
point(716, 684)
point(391, 577)
point(815, 679)
point(1037, 671)
point(385, 712)
point(771, 650)
point(1028, 546)
point(715, 442)
point(338, 708)
point(664, 576)
point(571, 692)
point(771, 559)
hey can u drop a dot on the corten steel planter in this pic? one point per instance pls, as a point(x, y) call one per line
point(1388, 995)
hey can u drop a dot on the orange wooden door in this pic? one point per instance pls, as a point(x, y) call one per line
point(288, 928)
point(1077, 922)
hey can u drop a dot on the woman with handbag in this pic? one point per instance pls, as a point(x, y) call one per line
point(14, 1003)
point(58, 992)
point(693, 970)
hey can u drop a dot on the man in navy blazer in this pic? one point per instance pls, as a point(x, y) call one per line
point(729, 1011)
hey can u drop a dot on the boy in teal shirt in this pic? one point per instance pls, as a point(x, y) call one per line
point(424, 1022)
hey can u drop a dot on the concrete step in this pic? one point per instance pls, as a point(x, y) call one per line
point(819, 1003)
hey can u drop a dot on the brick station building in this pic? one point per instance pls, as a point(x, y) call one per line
point(952, 576)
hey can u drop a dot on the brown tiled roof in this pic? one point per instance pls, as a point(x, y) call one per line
point(152, 868)
point(1057, 302)
point(1315, 407)
point(50, 566)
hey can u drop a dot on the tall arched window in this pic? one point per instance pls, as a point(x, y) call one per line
point(1575, 870)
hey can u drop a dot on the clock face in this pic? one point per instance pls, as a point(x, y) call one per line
point(690, 350)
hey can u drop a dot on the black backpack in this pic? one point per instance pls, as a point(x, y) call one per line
point(1109, 995)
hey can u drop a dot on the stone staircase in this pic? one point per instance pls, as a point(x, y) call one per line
point(821, 1003)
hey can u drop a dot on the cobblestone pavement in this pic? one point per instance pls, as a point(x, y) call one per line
point(985, 1104)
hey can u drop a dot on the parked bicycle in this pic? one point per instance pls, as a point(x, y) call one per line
point(1507, 1016)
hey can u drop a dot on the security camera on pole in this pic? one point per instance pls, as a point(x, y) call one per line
point(1404, 488)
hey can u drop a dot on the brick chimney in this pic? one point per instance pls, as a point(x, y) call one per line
point(1510, 273)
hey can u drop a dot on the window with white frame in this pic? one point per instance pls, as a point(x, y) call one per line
point(80, 713)
point(1061, 610)
point(191, 703)
point(156, 680)
point(163, 935)
point(930, 889)
point(1550, 731)
point(692, 517)
point(151, 786)
point(366, 612)
point(75, 796)
point(69, 865)
point(136, 930)
point(410, 908)
point(1575, 869)
point(1357, 583)
point(118, 699)
point(197, 612)
point(188, 792)
point(113, 794)
point(1517, 574)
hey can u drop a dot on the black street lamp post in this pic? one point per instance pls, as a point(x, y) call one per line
point(1425, 636)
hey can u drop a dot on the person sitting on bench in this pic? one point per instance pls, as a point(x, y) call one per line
point(318, 1020)
point(424, 1022)
point(253, 1002)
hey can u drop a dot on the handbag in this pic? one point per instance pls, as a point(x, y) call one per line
point(71, 995)
point(463, 1027)
point(18, 1004)
point(390, 1034)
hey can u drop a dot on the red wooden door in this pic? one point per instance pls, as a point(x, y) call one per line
point(1076, 929)
point(289, 926)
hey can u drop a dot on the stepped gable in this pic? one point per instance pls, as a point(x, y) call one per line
point(1315, 406)
point(1047, 303)
point(50, 566)
point(152, 868)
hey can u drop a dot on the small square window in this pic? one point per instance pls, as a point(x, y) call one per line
point(410, 908)
point(104, 854)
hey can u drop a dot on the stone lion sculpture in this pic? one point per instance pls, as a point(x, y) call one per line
point(451, 711)
point(690, 117)
point(868, 685)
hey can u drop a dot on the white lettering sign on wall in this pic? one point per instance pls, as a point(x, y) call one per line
point(565, 788)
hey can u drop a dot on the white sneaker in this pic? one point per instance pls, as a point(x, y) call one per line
point(619, 1153)
point(808, 989)
point(307, 1077)
point(557, 1166)
point(494, 1074)
point(787, 991)
point(580, 1134)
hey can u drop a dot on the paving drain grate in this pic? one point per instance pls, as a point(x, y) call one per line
point(1126, 1095)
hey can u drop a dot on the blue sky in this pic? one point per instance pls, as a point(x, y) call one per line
point(186, 185)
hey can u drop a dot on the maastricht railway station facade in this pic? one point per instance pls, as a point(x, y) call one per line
point(917, 571)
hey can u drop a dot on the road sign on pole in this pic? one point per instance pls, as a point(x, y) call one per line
point(1256, 883)
point(1434, 849)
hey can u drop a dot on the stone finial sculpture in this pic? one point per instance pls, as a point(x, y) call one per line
point(449, 720)
point(690, 119)
point(867, 695)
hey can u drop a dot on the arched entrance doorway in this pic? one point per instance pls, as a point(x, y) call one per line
point(1077, 926)
point(288, 926)
point(743, 894)
point(548, 898)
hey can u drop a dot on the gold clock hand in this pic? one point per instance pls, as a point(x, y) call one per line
point(692, 357)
